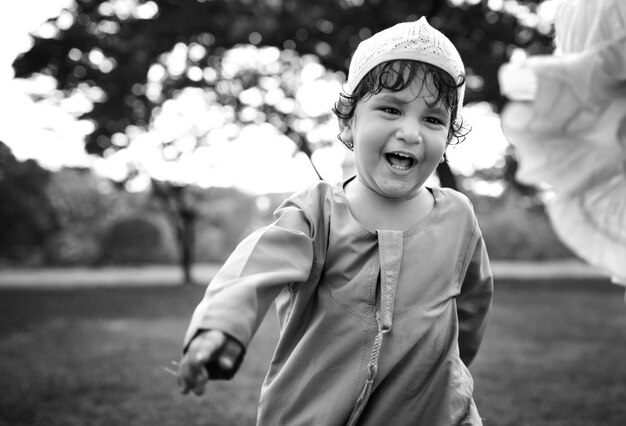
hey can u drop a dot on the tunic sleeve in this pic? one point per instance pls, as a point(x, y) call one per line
point(474, 301)
point(240, 294)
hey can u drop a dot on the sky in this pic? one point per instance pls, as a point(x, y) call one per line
point(259, 161)
point(38, 131)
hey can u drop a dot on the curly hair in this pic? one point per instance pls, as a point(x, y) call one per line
point(398, 75)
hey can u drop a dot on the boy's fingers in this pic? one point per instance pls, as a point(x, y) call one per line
point(200, 383)
point(192, 373)
point(192, 378)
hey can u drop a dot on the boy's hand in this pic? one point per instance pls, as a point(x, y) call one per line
point(209, 348)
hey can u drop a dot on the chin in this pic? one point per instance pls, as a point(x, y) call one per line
point(399, 194)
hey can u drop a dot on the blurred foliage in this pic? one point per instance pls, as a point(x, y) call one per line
point(137, 239)
point(180, 204)
point(515, 227)
point(144, 235)
point(27, 216)
point(74, 218)
point(243, 62)
point(227, 216)
point(106, 51)
point(84, 205)
point(207, 223)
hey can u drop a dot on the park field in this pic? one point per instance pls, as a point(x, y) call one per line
point(554, 354)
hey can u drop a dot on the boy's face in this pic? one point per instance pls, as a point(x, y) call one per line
point(398, 138)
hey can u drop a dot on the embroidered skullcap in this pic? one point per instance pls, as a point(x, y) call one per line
point(408, 40)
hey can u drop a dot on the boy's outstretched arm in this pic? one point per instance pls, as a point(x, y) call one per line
point(210, 353)
point(238, 297)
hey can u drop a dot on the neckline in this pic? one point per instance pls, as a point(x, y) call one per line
point(436, 193)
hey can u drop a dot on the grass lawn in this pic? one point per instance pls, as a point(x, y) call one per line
point(554, 354)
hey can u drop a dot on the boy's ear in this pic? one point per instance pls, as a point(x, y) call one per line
point(343, 123)
point(345, 131)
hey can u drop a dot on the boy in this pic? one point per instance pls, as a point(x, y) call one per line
point(382, 285)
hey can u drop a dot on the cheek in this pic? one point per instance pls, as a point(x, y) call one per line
point(435, 151)
point(363, 155)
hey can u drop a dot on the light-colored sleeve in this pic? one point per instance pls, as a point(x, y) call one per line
point(474, 301)
point(239, 296)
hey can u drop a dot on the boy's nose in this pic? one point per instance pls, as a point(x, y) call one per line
point(409, 132)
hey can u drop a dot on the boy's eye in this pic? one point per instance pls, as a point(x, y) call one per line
point(390, 110)
point(436, 120)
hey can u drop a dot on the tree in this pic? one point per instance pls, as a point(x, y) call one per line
point(84, 204)
point(179, 204)
point(26, 214)
point(113, 49)
point(120, 56)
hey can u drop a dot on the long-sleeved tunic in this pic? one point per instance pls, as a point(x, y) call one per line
point(323, 270)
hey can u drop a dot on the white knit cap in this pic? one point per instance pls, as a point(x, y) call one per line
point(408, 40)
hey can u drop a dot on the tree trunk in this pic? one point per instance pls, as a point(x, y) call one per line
point(182, 216)
point(186, 238)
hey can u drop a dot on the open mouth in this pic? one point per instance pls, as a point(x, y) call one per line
point(400, 161)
